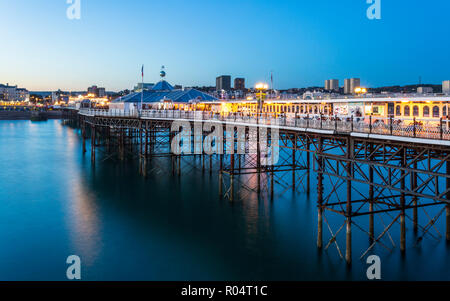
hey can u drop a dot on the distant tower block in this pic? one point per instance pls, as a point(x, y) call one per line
point(239, 84)
point(223, 83)
point(350, 84)
point(332, 85)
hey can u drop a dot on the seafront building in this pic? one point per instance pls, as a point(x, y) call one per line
point(13, 93)
point(424, 90)
point(60, 97)
point(95, 91)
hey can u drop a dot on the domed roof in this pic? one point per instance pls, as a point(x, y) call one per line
point(179, 96)
point(163, 86)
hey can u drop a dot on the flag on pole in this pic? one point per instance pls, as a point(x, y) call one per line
point(142, 71)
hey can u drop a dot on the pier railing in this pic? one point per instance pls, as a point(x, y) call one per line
point(437, 129)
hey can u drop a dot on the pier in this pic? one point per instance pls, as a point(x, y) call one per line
point(401, 170)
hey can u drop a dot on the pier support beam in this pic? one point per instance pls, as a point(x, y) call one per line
point(413, 187)
point(294, 152)
point(319, 194)
point(348, 248)
point(83, 133)
point(447, 207)
point(371, 195)
point(232, 176)
point(258, 160)
point(272, 183)
point(146, 140)
point(447, 215)
point(93, 142)
point(220, 183)
point(402, 204)
point(121, 144)
point(308, 166)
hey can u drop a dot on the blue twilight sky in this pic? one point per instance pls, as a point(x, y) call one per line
point(304, 42)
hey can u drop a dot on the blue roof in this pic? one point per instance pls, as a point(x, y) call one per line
point(173, 95)
point(162, 86)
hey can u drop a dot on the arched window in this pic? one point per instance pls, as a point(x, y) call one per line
point(310, 109)
point(426, 111)
point(302, 109)
point(326, 110)
point(444, 111)
point(416, 111)
point(398, 111)
point(436, 112)
point(407, 111)
point(316, 110)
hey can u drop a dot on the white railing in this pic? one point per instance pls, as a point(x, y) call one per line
point(405, 127)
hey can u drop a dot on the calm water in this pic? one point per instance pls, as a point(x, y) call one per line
point(125, 227)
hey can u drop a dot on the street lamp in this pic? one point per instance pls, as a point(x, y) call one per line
point(360, 90)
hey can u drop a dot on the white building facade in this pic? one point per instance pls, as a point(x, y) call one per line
point(12, 93)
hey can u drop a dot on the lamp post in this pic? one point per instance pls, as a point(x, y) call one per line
point(360, 91)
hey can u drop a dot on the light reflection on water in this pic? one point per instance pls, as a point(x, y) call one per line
point(83, 221)
point(125, 227)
